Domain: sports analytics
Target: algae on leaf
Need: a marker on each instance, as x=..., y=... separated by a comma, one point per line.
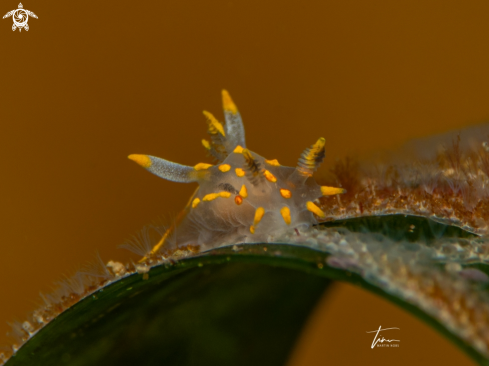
x=246, y=303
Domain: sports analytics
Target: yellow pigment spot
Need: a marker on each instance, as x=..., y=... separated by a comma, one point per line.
x=214, y=125
x=285, y=193
x=240, y=172
x=238, y=200
x=238, y=149
x=202, y=166
x=328, y=191
x=206, y=144
x=213, y=196
x=210, y=197
x=143, y=160
x=227, y=103
x=252, y=229
x=285, y=212
x=273, y=162
x=315, y=209
x=243, y=191
x=195, y=202
x=224, y=168
x=270, y=177
x=260, y=211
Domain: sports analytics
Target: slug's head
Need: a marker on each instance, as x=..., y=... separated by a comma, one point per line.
x=245, y=193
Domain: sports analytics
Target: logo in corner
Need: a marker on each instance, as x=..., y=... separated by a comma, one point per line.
x=20, y=17
x=380, y=339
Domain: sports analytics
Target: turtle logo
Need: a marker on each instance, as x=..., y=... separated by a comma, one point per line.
x=20, y=17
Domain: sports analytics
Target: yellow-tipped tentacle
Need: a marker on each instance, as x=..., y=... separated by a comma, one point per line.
x=206, y=144
x=143, y=160
x=315, y=209
x=311, y=158
x=227, y=103
x=329, y=191
x=213, y=124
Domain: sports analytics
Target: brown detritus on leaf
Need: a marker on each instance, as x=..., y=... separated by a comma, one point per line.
x=450, y=188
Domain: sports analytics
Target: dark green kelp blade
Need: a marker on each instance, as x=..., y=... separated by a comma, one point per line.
x=199, y=311
x=236, y=305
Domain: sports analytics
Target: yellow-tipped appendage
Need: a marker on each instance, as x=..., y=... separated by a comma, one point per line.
x=285, y=212
x=143, y=160
x=227, y=103
x=157, y=247
x=238, y=149
x=170, y=230
x=316, y=148
x=214, y=125
x=167, y=233
x=206, y=144
x=311, y=158
x=315, y=209
x=329, y=191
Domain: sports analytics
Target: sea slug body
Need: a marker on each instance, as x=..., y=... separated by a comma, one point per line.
x=245, y=197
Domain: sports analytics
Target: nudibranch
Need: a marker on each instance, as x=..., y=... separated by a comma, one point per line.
x=244, y=197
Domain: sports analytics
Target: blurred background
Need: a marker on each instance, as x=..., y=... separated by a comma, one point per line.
x=92, y=82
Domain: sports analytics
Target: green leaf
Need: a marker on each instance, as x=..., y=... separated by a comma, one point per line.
x=237, y=305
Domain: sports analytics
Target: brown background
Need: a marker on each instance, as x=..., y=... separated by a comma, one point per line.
x=93, y=81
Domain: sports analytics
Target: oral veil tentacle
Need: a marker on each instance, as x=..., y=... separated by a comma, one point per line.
x=167, y=169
